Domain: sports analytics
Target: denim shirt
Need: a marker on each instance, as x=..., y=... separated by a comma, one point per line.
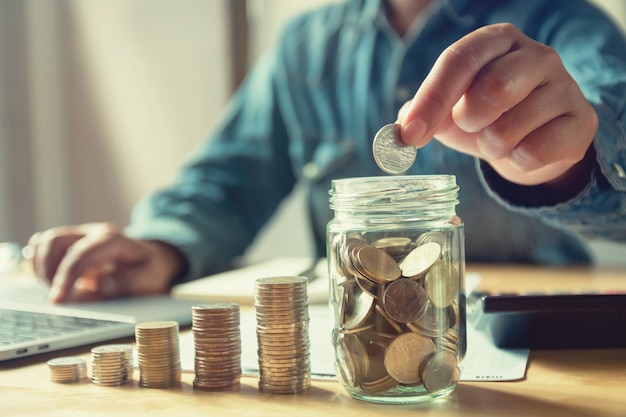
x=310, y=108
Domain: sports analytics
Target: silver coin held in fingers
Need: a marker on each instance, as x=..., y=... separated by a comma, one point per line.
x=390, y=154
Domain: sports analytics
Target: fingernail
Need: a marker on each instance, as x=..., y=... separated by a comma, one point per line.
x=524, y=161
x=413, y=132
x=54, y=294
x=109, y=286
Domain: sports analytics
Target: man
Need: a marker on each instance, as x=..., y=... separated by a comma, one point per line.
x=524, y=100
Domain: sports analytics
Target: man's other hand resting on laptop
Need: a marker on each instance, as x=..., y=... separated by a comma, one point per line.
x=97, y=261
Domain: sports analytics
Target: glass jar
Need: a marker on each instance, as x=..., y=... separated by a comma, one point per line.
x=396, y=259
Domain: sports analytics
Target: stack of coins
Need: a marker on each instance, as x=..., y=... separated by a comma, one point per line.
x=399, y=320
x=67, y=369
x=158, y=354
x=112, y=365
x=217, y=345
x=282, y=313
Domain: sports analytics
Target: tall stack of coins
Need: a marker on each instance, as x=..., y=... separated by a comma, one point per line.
x=67, y=369
x=217, y=344
x=282, y=313
x=397, y=308
x=112, y=365
x=158, y=354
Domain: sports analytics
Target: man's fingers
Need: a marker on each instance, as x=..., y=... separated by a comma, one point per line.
x=451, y=76
x=96, y=254
x=498, y=140
x=95, y=287
x=501, y=85
x=49, y=248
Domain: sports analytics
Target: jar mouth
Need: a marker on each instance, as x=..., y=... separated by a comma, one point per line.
x=430, y=178
x=408, y=192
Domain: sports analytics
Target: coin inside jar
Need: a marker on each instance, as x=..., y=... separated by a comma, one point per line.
x=394, y=246
x=420, y=259
x=361, y=305
x=356, y=358
x=440, y=372
x=405, y=355
x=404, y=300
x=377, y=265
x=442, y=284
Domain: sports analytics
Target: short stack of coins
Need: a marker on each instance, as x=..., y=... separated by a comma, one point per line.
x=282, y=313
x=158, y=354
x=397, y=308
x=217, y=346
x=67, y=369
x=112, y=365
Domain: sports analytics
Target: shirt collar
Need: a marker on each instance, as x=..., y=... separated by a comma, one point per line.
x=457, y=11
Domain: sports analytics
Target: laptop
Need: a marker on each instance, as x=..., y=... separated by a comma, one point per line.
x=29, y=325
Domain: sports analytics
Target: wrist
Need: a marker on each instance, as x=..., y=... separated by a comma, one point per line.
x=573, y=181
x=172, y=263
x=565, y=187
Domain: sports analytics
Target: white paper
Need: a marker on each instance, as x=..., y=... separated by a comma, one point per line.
x=237, y=286
x=486, y=362
x=483, y=360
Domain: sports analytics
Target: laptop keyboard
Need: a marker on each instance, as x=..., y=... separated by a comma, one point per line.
x=24, y=326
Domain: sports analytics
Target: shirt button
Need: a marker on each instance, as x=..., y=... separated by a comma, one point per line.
x=310, y=170
x=619, y=170
x=403, y=94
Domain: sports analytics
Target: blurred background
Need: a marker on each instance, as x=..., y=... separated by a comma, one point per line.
x=101, y=101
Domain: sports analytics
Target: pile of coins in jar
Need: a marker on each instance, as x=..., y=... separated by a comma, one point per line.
x=396, y=304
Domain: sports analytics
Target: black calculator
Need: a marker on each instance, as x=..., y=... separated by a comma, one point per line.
x=554, y=320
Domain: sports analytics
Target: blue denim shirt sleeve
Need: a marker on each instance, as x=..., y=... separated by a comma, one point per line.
x=594, y=52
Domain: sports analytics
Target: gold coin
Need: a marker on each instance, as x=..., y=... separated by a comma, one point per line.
x=394, y=246
x=376, y=379
x=404, y=300
x=442, y=284
x=387, y=323
x=434, y=322
x=285, y=281
x=152, y=326
x=363, y=304
x=377, y=265
x=439, y=237
x=405, y=355
x=420, y=259
x=379, y=385
x=368, y=286
x=440, y=372
x=352, y=354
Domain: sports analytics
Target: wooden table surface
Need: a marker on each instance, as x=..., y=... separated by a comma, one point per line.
x=572, y=383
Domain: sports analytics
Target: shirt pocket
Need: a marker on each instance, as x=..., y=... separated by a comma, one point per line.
x=322, y=157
